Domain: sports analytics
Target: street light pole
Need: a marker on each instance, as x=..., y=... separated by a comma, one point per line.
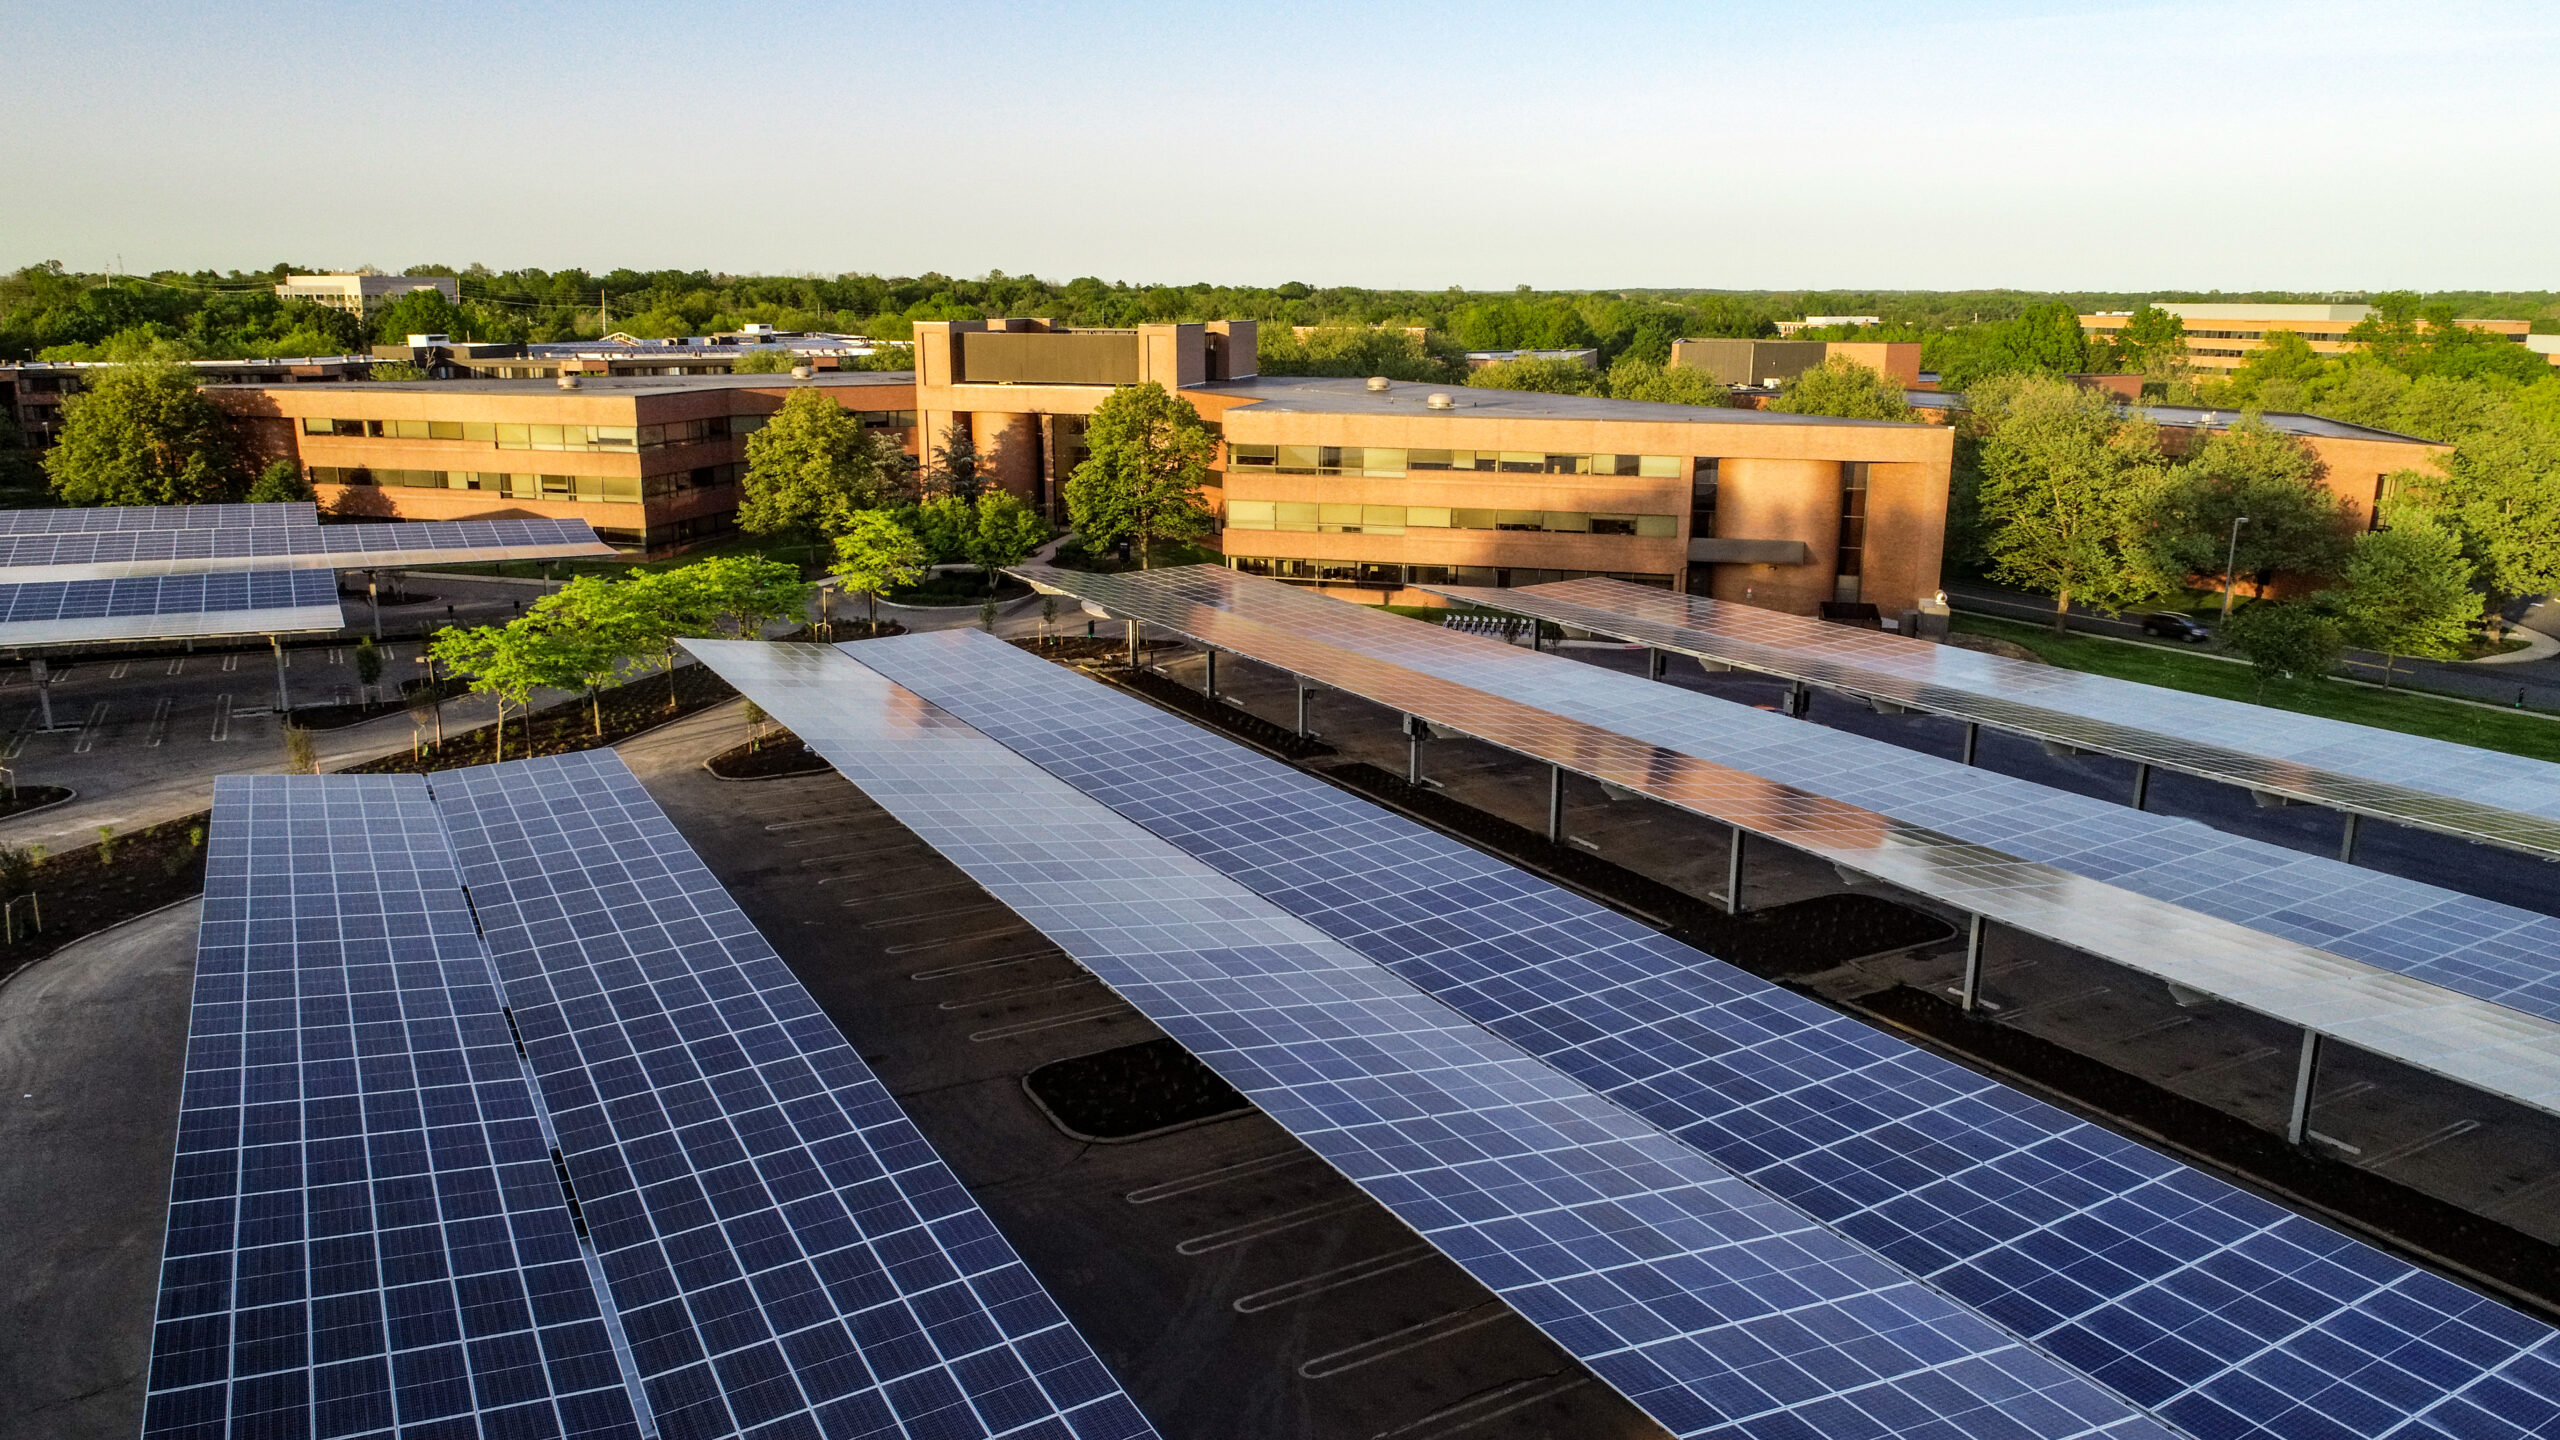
x=2230, y=562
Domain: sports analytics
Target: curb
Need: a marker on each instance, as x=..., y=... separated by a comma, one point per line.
x=94, y=934
x=67, y=798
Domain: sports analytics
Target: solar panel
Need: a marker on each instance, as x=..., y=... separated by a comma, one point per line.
x=2409, y=779
x=1782, y=779
x=788, y=1256
x=115, y=554
x=158, y=517
x=2158, y=1280
x=1712, y=1307
x=239, y=602
x=366, y=1235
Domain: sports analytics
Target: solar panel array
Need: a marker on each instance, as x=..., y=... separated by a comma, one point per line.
x=2209, y=1306
x=157, y=517
x=366, y=1235
x=2169, y=898
x=787, y=1254
x=240, y=602
x=2434, y=784
x=113, y=554
x=1713, y=1307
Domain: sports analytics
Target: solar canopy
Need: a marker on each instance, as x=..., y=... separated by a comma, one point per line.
x=168, y=607
x=157, y=517
x=2407, y=779
x=116, y=554
x=369, y=1231
x=1712, y=1306
x=2457, y=986
x=2153, y=1277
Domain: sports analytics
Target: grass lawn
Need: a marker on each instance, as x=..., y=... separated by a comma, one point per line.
x=2516, y=732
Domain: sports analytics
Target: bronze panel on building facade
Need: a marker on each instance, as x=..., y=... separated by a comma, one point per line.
x=995, y=357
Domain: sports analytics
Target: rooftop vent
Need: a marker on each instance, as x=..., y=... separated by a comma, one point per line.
x=801, y=372
x=1377, y=382
x=1439, y=400
x=569, y=382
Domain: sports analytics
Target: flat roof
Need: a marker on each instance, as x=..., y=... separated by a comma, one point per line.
x=1340, y=395
x=622, y=384
x=2283, y=422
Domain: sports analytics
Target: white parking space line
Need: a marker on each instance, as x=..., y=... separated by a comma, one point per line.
x=159, y=730
x=998, y=963
x=912, y=946
x=117, y=671
x=1202, y=1180
x=18, y=738
x=1307, y=1287
x=1480, y=1409
x=177, y=665
x=1007, y=1032
x=231, y=660
x=221, y=719
x=1411, y=1337
x=993, y=996
x=930, y=917
x=1253, y=1230
x=89, y=729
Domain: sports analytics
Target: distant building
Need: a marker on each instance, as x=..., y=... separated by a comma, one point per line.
x=1819, y=322
x=2221, y=338
x=364, y=294
x=444, y=358
x=1772, y=363
x=2547, y=346
x=1478, y=359
x=32, y=392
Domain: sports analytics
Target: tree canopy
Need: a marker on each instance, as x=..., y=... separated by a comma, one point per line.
x=1147, y=456
x=142, y=435
x=2408, y=591
x=1844, y=388
x=2066, y=495
x=2297, y=526
x=810, y=468
x=281, y=480
x=875, y=553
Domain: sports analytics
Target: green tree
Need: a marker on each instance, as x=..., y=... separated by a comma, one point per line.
x=281, y=480
x=368, y=664
x=2043, y=339
x=661, y=608
x=2285, y=639
x=765, y=361
x=503, y=662
x=952, y=469
x=395, y=370
x=2408, y=591
x=1844, y=388
x=1354, y=351
x=590, y=631
x=946, y=524
x=1548, y=377
x=142, y=435
x=2297, y=526
x=2066, y=496
x=1148, y=455
x=424, y=312
x=751, y=591
x=1634, y=379
x=810, y=468
x=2152, y=344
x=1007, y=530
x=2500, y=494
x=876, y=553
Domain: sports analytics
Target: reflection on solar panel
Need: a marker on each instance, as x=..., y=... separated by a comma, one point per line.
x=251, y=602
x=157, y=517
x=2215, y=1309
x=114, y=554
x=365, y=1229
x=2433, y=784
x=1715, y=1309
x=788, y=1256
x=1958, y=836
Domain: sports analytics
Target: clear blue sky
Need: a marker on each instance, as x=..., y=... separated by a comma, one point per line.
x=2044, y=144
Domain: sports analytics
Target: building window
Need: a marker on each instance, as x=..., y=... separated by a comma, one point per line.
x=1853, y=532
x=1702, y=501
x=1377, y=460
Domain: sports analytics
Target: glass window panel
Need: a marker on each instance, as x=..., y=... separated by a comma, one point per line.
x=1568, y=464
x=1253, y=455
x=1427, y=517
x=652, y=436
x=1570, y=521
x=1300, y=459
x=480, y=430
x=590, y=487
x=444, y=429
x=1427, y=460
x=1297, y=515
x=1611, y=525
x=346, y=427
x=1377, y=460
x=1465, y=519
x=1382, y=519
x=1658, y=527
x=1426, y=574
x=1332, y=458
x=1658, y=465
x=317, y=425
x=1522, y=462
x=739, y=425
x=1341, y=518
x=545, y=437
x=515, y=437
x=524, y=487
x=409, y=430
x=1251, y=515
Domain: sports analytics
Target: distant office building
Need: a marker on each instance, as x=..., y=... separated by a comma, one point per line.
x=2547, y=346
x=1587, y=359
x=32, y=391
x=1379, y=484
x=652, y=462
x=1821, y=322
x=444, y=358
x=2221, y=338
x=364, y=294
x=1771, y=363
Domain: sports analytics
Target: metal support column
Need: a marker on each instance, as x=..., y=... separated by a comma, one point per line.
x=2347, y=838
x=1654, y=668
x=2141, y=783
x=1972, y=735
x=1733, y=872
x=2305, y=1073
x=1412, y=752
x=44, y=690
x=373, y=594
x=1301, y=682
x=1555, y=804
x=284, y=701
x=1799, y=700
x=1975, y=931
x=1209, y=673
x=1133, y=644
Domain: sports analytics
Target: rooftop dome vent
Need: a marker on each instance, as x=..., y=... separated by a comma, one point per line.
x=1439, y=400
x=569, y=382
x=1377, y=382
x=801, y=372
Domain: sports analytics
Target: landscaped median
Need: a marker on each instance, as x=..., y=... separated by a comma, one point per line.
x=2517, y=732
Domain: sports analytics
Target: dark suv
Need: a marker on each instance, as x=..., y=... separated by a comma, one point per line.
x=2170, y=625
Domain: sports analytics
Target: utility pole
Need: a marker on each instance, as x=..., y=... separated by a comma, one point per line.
x=2230, y=562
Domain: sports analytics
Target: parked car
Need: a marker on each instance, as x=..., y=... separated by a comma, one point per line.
x=2170, y=625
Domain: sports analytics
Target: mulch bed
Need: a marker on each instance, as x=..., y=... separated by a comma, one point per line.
x=845, y=630
x=1174, y=695
x=565, y=727
x=31, y=797
x=339, y=717
x=2508, y=1257
x=83, y=891
x=1068, y=649
x=777, y=755
x=1133, y=1091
